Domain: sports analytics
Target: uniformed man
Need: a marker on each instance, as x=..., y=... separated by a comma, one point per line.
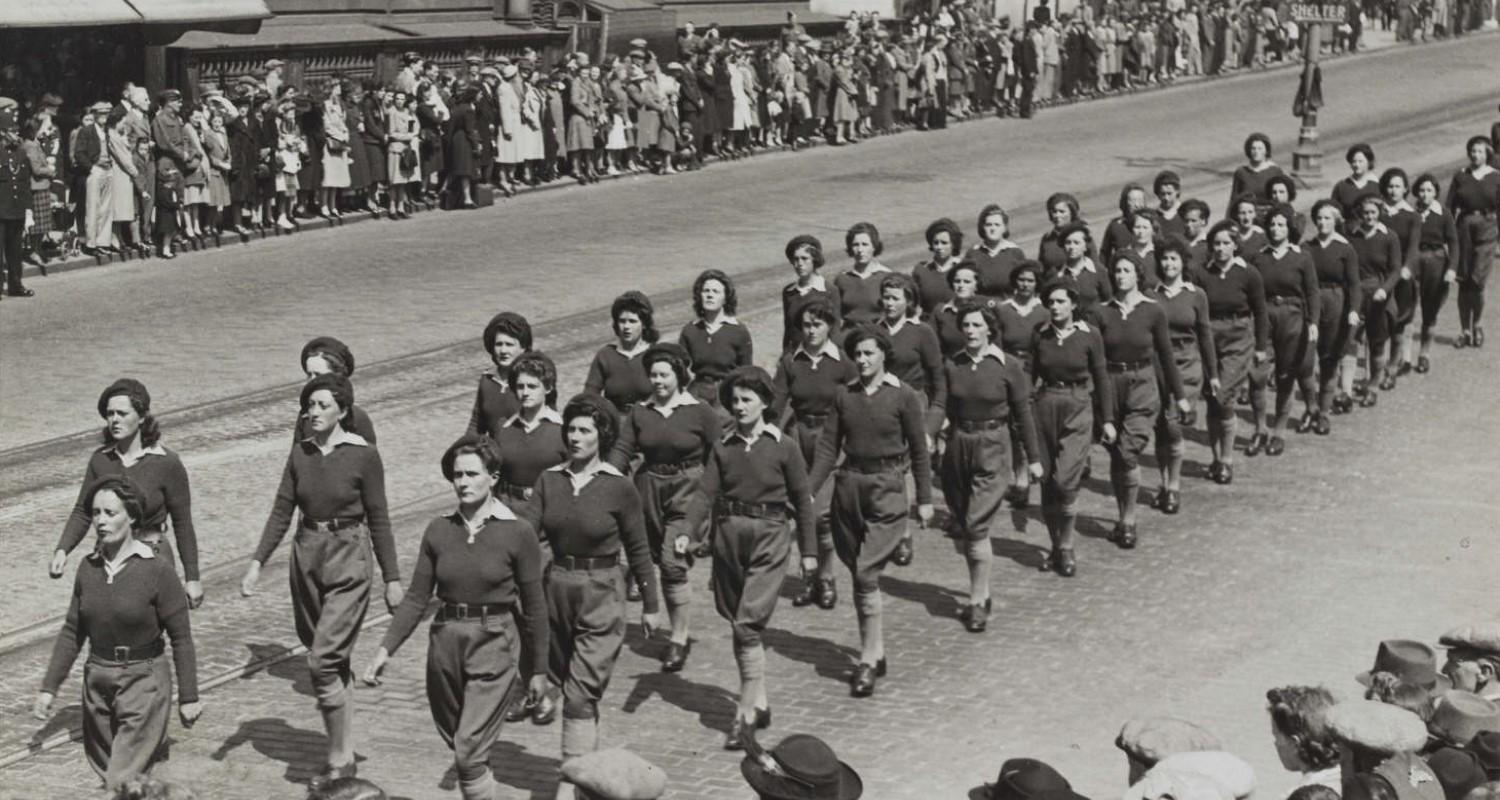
x=15, y=198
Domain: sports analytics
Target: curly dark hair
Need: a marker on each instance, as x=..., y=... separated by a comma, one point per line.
x=1258, y=137
x=868, y=229
x=1298, y=712
x=601, y=412
x=985, y=311
x=731, y=300
x=1194, y=204
x=150, y=431
x=474, y=444
x=538, y=366
x=948, y=226
x=123, y=488
x=1063, y=198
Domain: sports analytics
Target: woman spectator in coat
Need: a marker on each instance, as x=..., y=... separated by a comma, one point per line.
x=533, y=126
x=581, y=119
x=291, y=148
x=359, y=166
x=373, y=139
x=39, y=138
x=194, y=179
x=218, y=164
x=508, y=151
x=310, y=179
x=403, y=161
x=123, y=600
x=336, y=145
x=845, y=113
x=122, y=188
x=463, y=133
x=432, y=123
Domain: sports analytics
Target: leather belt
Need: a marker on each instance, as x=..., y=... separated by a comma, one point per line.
x=1017, y=352
x=1284, y=300
x=672, y=469
x=460, y=612
x=1079, y=384
x=331, y=525
x=127, y=655
x=516, y=490
x=776, y=512
x=1127, y=366
x=872, y=466
x=1237, y=315
x=812, y=420
x=158, y=527
x=587, y=562
x=975, y=425
x=1330, y=285
x=1432, y=248
x=1183, y=338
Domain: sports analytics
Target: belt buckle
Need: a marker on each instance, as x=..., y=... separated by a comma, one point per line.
x=323, y=526
x=122, y=654
x=461, y=611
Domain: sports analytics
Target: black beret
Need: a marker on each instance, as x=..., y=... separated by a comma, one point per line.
x=801, y=240
x=342, y=389
x=328, y=344
x=130, y=387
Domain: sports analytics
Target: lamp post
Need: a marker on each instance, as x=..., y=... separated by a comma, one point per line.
x=1307, y=159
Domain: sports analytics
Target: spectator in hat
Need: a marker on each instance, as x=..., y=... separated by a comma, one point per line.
x=16, y=211
x=243, y=158
x=409, y=74
x=336, y=147
x=403, y=162
x=1486, y=746
x=1473, y=659
x=508, y=149
x=1303, y=740
x=688, y=43
x=463, y=141
x=1369, y=732
x=195, y=181
x=291, y=149
x=372, y=134
x=92, y=156
x=122, y=175
x=1145, y=741
x=273, y=80
x=1456, y=717
x=1029, y=779
x=803, y=767
x=1196, y=775
x=41, y=144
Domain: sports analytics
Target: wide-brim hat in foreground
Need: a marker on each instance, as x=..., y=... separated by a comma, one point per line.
x=1376, y=726
x=1228, y=771
x=1030, y=779
x=801, y=767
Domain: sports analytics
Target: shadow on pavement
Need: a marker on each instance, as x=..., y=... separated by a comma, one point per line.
x=64, y=719
x=302, y=751
x=714, y=705
x=292, y=670
x=827, y=659
x=939, y=602
x=519, y=768
x=1026, y=554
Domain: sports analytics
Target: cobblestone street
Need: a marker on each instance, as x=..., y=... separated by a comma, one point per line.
x=1386, y=529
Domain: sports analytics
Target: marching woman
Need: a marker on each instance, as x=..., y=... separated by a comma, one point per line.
x=1020, y=315
x=876, y=424
x=1145, y=233
x=506, y=337
x=335, y=479
x=1248, y=233
x=1398, y=215
x=1290, y=281
x=1474, y=201
x=916, y=360
x=132, y=448
x=715, y=341
x=588, y=512
x=1382, y=268
x=123, y=599
x=996, y=256
x=963, y=280
x=1283, y=191
x=1351, y=191
x=1080, y=273
x=674, y=433
x=1137, y=346
x=482, y=562
x=1240, y=334
x=1340, y=300
x=858, y=288
x=945, y=241
x=1191, y=335
x=1073, y=390
x=807, y=381
x=989, y=397
x=1437, y=261
x=618, y=373
x=321, y=356
x=753, y=486
x=1253, y=176
x=1195, y=216
x=805, y=254
x=1119, y=234
x=531, y=440
x=1062, y=211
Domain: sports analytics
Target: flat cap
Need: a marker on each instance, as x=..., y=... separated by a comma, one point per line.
x=1482, y=636
x=1151, y=739
x=1376, y=726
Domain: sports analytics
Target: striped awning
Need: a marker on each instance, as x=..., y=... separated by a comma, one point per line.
x=184, y=14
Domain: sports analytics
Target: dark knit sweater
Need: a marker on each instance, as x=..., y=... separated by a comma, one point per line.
x=885, y=424
x=917, y=360
x=803, y=387
x=1139, y=336
x=494, y=403
x=717, y=354
x=687, y=435
x=603, y=518
x=988, y=389
x=1187, y=315
x=164, y=493
x=359, y=422
x=769, y=471
x=618, y=379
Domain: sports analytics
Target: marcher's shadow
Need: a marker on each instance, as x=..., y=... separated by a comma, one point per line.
x=1094, y=527
x=651, y=649
x=515, y=766
x=714, y=705
x=827, y=659
x=292, y=670
x=1196, y=436
x=302, y=751
x=67, y=718
x=1026, y=554
x=939, y=602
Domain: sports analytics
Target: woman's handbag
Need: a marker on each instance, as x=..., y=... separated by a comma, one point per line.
x=408, y=159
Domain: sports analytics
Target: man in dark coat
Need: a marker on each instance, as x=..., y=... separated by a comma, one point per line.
x=15, y=198
x=1028, y=64
x=487, y=119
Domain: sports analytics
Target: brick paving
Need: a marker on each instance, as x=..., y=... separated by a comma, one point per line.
x=1337, y=530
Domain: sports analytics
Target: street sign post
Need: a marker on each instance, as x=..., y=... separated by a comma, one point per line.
x=1307, y=159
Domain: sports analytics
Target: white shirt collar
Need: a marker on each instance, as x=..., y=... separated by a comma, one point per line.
x=113, y=567
x=1336, y=237
x=885, y=380
x=1286, y=247
x=893, y=329
x=815, y=283
x=1480, y=171
x=130, y=461
x=641, y=346
x=1434, y=208
x=944, y=267
x=1026, y=309
x=1401, y=205
x=1233, y=262
x=1169, y=213
x=1251, y=231
x=581, y=479
x=1379, y=228
x=546, y=414
x=1183, y=285
x=1000, y=247
x=724, y=319
x=338, y=437
x=1369, y=179
x=1085, y=264
x=989, y=351
x=1264, y=165
x=762, y=428
x=492, y=509
x=828, y=349
x=1063, y=333
x=676, y=401
x=875, y=268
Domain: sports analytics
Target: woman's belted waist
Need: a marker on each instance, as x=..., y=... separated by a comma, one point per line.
x=460, y=612
x=874, y=465
x=775, y=512
x=672, y=469
x=331, y=525
x=127, y=655
x=587, y=562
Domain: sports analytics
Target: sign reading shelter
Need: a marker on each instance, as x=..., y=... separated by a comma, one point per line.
x=1318, y=12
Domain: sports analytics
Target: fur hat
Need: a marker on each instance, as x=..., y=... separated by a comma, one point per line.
x=1376, y=726
x=1151, y=739
x=615, y=774
x=1481, y=636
